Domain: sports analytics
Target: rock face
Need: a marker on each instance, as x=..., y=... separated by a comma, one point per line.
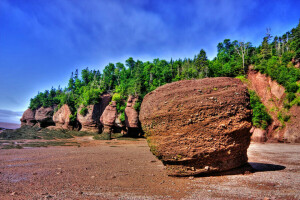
x=90, y=122
x=108, y=117
x=258, y=135
x=61, y=118
x=132, y=117
x=44, y=116
x=28, y=118
x=119, y=125
x=198, y=126
x=292, y=129
x=272, y=96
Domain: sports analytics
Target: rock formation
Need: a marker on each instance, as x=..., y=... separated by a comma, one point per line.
x=272, y=96
x=132, y=117
x=108, y=119
x=28, y=118
x=61, y=118
x=90, y=122
x=44, y=116
x=119, y=125
x=198, y=126
x=258, y=135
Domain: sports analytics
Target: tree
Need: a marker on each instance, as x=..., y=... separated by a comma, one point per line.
x=242, y=49
x=201, y=63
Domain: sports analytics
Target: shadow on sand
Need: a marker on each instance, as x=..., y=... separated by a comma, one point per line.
x=249, y=168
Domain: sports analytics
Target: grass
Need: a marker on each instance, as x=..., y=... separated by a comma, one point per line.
x=27, y=132
x=40, y=144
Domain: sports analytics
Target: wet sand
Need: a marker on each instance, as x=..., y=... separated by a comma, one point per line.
x=120, y=169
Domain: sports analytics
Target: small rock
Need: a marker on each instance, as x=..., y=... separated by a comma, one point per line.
x=13, y=193
x=92, y=176
x=191, y=177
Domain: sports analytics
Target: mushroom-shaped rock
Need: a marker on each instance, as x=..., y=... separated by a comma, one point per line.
x=44, y=116
x=132, y=116
x=61, y=118
x=90, y=120
x=28, y=118
x=108, y=118
x=198, y=126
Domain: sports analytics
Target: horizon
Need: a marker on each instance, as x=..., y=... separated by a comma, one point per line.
x=43, y=42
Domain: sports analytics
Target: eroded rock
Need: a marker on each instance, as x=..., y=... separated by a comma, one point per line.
x=90, y=121
x=198, y=126
x=132, y=117
x=44, y=116
x=108, y=119
x=28, y=118
x=259, y=135
x=61, y=118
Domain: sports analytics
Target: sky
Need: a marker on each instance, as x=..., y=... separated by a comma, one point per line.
x=42, y=41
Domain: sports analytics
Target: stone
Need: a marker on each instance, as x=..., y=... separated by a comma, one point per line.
x=132, y=117
x=108, y=118
x=202, y=146
x=259, y=135
x=90, y=122
x=28, y=118
x=61, y=118
x=44, y=116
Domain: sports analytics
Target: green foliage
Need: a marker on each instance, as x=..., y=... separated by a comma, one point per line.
x=83, y=111
x=137, y=105
x=291, y=97
x=261, y=118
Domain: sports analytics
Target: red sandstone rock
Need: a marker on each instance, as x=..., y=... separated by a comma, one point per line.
x=259, y=135
x=132, y=117
x=119, y=125
x=28, y=118
x=198, y=126
x=44, y=116
x=292, y=130
x=90, y=122
x=61, y=118
x=108, y=117
x=272, y=96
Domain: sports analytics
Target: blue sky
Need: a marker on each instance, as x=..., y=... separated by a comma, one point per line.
x=42, y=41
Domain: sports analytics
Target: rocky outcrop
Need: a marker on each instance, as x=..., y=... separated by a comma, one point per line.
x=90, y=121
x=44, y=116
x=61, y=118
x=120, y=126
x=272, y=96
x=28, y=118
x=258, y=135
x=292, y=130
x=132, y=117
x=108, y=119
x=198, y=126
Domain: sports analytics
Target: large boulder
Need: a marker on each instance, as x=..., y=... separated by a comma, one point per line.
x=28, y=118
x=44, y=116
x=61, y=118
x=132, y=117
x=198, y=126
x=108, y=119
x=90, y=121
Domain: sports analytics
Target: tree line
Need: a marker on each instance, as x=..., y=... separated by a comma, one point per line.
x=275, y=58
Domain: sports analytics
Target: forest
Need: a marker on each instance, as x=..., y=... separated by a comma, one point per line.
x=275, y=56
